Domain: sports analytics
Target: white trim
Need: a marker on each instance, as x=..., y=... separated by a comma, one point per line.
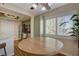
x=32, y=26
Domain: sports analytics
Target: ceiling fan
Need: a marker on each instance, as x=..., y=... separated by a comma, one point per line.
x=45, y=6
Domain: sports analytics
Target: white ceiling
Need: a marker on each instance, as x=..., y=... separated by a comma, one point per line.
x=24, y=8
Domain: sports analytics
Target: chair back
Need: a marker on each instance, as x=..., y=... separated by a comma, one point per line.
x=2, y=45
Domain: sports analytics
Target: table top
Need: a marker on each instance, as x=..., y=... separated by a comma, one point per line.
x=41, y=46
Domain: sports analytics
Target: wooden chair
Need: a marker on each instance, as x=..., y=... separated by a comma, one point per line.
x=3, y=46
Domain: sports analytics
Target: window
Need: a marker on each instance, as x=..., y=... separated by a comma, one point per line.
x=52, y=25
x=60, y=29
x=66, y=27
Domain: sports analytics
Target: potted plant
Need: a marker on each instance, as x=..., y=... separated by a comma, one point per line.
x=75, y=19
x=75, y=29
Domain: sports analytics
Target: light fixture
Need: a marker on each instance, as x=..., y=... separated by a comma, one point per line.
x=34, y=5
x=43, y=8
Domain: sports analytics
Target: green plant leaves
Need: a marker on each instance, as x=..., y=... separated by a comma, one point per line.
x=75, y=29
x=63, y=23
x=75, y=15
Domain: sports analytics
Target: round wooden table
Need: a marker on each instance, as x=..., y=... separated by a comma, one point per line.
x=40, y=46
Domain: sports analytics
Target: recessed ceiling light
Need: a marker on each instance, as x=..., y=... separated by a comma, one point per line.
x=32, y=8
x=43, y=8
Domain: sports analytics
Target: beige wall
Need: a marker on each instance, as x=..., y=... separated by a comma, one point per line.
x=69, y=8
x=28, y=22
x=78, y=11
